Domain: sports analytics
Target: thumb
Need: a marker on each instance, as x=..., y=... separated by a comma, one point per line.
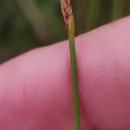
x=35, y=88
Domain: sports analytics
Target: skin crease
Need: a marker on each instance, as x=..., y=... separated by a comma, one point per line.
x=35, y=88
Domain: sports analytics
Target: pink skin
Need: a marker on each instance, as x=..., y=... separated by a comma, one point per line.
x=35, y=88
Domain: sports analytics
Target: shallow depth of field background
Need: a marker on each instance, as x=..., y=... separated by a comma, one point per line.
x=27, y=24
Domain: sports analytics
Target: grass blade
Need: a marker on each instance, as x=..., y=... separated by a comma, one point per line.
x=69, y=20
x=117, y=9
x=74, y=73
x=93, y=13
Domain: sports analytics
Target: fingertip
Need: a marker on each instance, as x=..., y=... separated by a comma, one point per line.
x=36, y=87
x=37, y=90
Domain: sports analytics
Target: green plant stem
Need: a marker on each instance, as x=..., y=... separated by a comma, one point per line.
x=74, y=72
x=117, y=9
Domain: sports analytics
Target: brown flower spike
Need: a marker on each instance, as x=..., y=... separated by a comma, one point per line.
x=66, y=10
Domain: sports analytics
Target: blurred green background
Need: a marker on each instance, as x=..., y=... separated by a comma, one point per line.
x=27, y=24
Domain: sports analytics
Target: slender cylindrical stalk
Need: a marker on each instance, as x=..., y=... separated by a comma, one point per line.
x=69, y=21
x=71, y=32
